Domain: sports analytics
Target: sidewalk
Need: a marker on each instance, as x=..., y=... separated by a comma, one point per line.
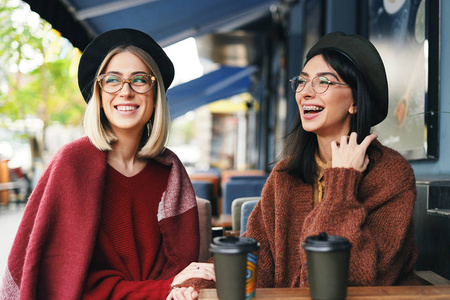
x=9, y=222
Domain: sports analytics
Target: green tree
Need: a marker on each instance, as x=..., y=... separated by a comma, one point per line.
x=39, y=68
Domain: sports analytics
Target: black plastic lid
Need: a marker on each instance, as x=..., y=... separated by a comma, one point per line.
x=233, y=245
x=326, y=243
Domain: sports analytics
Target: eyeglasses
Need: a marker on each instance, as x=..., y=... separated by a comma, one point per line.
x=319, y=84
x=113, y=83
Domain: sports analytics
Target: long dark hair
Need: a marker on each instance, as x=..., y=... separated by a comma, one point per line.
x=301, y=146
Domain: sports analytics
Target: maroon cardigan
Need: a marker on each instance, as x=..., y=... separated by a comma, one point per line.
x=54, y=244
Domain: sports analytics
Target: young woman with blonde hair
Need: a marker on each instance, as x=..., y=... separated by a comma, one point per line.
x=114, y=215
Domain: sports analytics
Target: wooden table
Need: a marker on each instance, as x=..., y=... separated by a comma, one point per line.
x=353, y=293
x=4, y=192
x=8, y=186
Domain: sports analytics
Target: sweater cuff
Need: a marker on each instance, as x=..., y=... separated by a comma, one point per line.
x=342, y=181
x=197, y=284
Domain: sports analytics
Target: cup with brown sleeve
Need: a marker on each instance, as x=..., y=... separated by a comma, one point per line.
x=235, y=265
x=327, y=258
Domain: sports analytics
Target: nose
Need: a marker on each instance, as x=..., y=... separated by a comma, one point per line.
x=126, y=89
x=308, y=90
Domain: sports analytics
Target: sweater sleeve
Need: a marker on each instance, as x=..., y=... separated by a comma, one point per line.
x=374, y=213
x=261, y=226
x=108, y=284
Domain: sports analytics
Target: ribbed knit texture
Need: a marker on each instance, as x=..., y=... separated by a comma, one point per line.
x=373, y=210
x=128, y=242
x=55, y=241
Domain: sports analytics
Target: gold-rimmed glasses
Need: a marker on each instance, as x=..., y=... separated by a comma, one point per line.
x=112, y=83
x=319, y=84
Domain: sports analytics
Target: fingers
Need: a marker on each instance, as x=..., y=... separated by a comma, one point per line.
x=194, y=295
x=366, y=161
x=183, y=293
x=347, y=153
x=352, y=139
x=334, y=146
x=368, y=140
x=188, y=294
x=344, y=140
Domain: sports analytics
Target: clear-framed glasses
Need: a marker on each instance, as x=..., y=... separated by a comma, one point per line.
x=319, y=84
x=113, y=83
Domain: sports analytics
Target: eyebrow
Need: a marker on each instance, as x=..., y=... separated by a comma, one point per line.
x=132, y=74
x=322, y=74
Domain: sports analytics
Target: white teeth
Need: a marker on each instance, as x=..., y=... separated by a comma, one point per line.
x=126, y=108
x=312, y=108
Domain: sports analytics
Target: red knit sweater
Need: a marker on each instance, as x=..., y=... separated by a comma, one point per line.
x=53, y=248
x=127, y=259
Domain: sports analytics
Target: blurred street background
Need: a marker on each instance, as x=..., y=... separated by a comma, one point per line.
x=9, y=222
x=231, y=103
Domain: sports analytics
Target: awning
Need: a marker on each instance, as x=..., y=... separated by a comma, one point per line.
x=220, y=84
x=167, y=21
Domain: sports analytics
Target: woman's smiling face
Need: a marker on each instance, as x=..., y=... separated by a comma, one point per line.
x=327, y=114
x=127, y=110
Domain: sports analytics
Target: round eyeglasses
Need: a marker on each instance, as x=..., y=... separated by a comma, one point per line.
x=113, y=83
x=319, y=84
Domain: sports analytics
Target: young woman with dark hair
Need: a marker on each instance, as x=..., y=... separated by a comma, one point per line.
x=301, y=145
x=334, y=176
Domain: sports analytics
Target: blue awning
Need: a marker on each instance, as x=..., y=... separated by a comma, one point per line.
x=220, y=84
x=167, y=21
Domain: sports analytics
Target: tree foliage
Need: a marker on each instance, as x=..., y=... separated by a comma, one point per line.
x=37, y=68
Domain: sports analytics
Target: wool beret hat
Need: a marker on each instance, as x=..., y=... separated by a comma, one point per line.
x=98, y=49
x=366, y=57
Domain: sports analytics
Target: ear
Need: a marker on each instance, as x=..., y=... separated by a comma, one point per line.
x=353, y=109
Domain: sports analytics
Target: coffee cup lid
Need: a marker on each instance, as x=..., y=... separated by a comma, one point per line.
x=326, y=243
x=233, y=245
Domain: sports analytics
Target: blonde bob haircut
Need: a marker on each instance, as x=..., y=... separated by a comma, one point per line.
x=97, y=126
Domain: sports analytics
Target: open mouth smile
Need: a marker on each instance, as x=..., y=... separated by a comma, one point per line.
x=126, y=107
x=311, y=109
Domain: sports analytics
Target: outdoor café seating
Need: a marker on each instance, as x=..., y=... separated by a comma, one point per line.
x=241, y=187
x=238, y=217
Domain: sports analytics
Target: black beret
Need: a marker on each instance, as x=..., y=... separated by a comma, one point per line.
x=98, y=49
x=366, y=57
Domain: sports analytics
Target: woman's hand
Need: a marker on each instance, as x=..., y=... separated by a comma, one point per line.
x=183, y=293
x=348, y=154
x=195, y=270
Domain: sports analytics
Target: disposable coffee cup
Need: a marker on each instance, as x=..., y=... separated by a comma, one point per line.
x=235, y=264
x=327, y=257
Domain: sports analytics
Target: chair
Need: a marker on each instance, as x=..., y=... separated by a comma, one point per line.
x=249, y=177
x=205, y=189
x=431, y=278
x=204, y=218
x=213, y=178
x=236, y=208
x=246, y=210
x=240, y=188
x=227, y=174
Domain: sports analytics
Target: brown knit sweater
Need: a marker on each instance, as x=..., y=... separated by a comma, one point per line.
x=372, y=209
